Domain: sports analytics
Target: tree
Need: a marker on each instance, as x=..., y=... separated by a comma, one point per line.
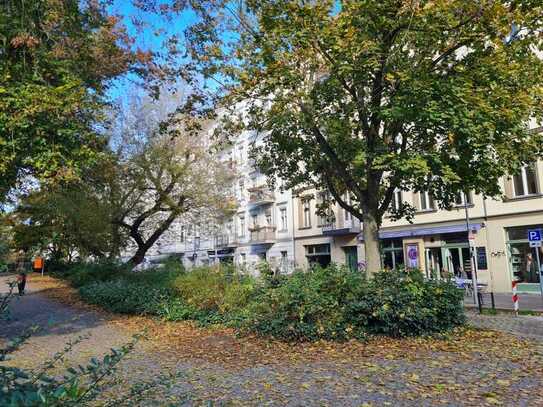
x=58, y=59
x=65, y=222
x=366, y=97
x=166, y=167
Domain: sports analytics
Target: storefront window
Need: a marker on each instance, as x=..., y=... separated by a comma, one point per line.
x=522, y=257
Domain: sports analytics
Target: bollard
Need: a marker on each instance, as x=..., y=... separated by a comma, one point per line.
x=515, y=297
x=492, y=300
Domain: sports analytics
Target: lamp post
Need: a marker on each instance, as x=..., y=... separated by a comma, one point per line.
x=473, y=257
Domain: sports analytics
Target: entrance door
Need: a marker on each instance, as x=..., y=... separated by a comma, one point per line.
x=457, y=261
x=351, y=257
x=434, y=263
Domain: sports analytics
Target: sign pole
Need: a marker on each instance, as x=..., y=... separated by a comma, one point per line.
x=539, y=270
x=535, y=238
x=473, y=260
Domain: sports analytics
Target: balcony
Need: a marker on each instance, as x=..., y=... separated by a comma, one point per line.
x=346, y=227
x=226, y=240
x=261, y=195
x=262, y=234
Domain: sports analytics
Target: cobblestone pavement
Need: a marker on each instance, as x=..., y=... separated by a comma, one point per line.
x=523, y=326
x=473, y=369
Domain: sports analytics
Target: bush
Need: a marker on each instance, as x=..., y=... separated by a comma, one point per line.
x=85, y=273
x=215, y=289
x=308, y=306
x=404, y=304
x=125, y=297
x=336, y=303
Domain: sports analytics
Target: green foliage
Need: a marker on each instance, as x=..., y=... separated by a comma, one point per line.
x=85, y=273
x=369, y=96
x=124, y=297
x=206, y=288
x=336, y=303
x=309, y=305
x=331, y=303
x=404, y=304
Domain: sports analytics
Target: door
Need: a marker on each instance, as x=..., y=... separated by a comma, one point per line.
x=457, y=261
x=351, y=257
x=434, y=263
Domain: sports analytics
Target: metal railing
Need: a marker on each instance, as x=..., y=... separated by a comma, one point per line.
x=262, y=234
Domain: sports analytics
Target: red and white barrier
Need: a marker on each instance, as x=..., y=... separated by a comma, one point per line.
x=515, y=297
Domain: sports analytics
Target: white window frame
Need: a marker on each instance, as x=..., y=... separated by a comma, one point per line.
x=397, y=199
x=426, y=195
x=283, y=218
x=524, y=178
x=462, y=201
x=306, y=213
x=241, y=225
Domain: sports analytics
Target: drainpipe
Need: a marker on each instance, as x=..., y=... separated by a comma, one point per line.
x=293, y=230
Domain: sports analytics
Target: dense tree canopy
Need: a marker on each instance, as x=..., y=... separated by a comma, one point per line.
x=366, y=97
x=57, y=59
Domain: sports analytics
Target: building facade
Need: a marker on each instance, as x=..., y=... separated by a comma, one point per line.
x=437, y=240
x=284, y=228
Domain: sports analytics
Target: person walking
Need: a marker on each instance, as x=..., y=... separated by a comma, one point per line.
x=21, y=282
x=21, y=274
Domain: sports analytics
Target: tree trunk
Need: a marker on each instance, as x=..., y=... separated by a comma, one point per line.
x=371, y=242
x=138, y=257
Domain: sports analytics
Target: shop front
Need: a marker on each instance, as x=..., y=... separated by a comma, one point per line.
x=522, y=258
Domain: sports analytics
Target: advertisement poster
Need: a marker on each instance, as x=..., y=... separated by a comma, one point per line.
x=413, y=255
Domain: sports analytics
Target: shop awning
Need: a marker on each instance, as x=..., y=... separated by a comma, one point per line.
x=424, y=231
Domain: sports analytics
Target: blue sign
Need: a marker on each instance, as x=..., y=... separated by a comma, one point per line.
x=535, y=235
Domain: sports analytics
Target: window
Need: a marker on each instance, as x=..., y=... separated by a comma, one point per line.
x=242, y=226
x=243, y=258
x=254, y=220
x=182, y=234
x=396, y=202
x=269, y=220
x=392, y=254
x=328, y=216
x=525, y=182
x=426, y=201
x=306, y=207
x=460, y=201
x=283, y=218
x=346, y=214
x=242, y=190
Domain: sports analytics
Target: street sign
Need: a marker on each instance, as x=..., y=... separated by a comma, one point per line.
x=535, y=237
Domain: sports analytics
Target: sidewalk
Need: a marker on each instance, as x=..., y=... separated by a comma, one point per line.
x=527, y=302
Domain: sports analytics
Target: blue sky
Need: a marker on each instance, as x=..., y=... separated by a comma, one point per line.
x=158, y=28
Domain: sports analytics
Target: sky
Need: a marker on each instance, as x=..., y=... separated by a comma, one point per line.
x=157, y=29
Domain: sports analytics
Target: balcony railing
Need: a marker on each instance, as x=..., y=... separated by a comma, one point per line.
x=262, y=234
x=226, y=240
x=345, y=227
x=261, y=195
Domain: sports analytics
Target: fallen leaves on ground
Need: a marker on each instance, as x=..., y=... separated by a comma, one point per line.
x=467, y=367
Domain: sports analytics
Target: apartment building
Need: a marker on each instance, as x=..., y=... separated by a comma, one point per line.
x=437, y=240
x=260, y=230
x=284, y=228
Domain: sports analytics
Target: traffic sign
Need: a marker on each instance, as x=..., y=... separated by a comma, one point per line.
x=535, y=235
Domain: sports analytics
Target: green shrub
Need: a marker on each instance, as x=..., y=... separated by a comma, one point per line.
x=308, y=305
x=336, y=303
x=85, y=273
x=125, y=297
x=404, y=304
x=217, y=289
